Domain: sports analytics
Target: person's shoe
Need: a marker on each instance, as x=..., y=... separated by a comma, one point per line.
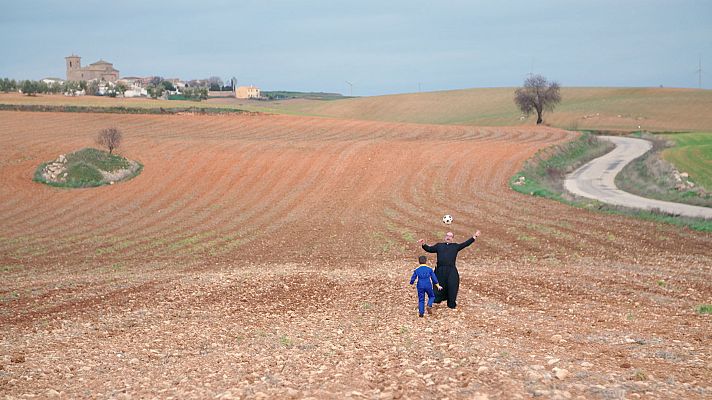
x=429, y=309
x=420, y=315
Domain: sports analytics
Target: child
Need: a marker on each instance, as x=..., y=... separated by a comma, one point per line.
x=425, y=275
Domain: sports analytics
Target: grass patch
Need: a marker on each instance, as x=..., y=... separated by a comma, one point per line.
x=543, y=176
x=382, y=242
x=285, y=341
x=404, y=233
x=12, y=296
x=639, y=376
x=652, y=176
x=692, y=153
x=99, y=159
x=87, y=168
x=10, y=267
x=526, y=238
x=704, y=309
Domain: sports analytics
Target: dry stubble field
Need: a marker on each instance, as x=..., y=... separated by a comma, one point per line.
x=268, y=256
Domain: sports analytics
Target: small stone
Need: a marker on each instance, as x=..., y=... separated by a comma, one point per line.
x=586, y=364
x=556, y=338
x=443, y=388
x=533, y=375
x=553, y=361
x=482, y=370
x=560, y=373
x=386, y=396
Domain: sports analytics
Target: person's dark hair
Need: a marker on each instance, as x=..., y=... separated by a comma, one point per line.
x=422, y=259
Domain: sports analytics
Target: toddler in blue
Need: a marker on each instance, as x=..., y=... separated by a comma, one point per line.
x=425, y=275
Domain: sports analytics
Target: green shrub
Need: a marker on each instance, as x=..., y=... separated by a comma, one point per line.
x=99, y=159
x=705, y=309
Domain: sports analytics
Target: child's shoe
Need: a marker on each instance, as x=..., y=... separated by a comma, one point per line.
x=429, y=309
x=420, y=315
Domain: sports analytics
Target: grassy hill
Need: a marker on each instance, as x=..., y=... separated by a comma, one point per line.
x=653, y=109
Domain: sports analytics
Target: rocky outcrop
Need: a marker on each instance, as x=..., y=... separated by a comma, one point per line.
x=120, y=174
x=56, y=171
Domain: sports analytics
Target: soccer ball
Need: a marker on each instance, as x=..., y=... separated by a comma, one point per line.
x=447, y=219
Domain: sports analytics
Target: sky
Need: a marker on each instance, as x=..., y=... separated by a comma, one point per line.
x=367, y=47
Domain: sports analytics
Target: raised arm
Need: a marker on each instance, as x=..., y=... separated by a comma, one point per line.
x=429, y=249
x=466, y=243
x=469, y=241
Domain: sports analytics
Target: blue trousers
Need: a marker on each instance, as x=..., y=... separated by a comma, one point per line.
x=421, y=298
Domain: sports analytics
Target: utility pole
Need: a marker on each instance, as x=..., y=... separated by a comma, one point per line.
x=699, y=73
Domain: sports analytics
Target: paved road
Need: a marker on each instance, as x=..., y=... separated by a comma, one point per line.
x=595, y=180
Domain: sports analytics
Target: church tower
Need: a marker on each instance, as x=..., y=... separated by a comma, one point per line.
x=74, y=64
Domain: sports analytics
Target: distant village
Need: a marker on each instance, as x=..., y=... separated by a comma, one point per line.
x=101, y=78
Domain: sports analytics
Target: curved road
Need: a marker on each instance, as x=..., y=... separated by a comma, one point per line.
x=595, y=180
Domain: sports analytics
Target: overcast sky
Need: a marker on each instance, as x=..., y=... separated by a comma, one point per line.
x=380, y=46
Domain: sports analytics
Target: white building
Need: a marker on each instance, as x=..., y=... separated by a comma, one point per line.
x=248, y=92
x=134, y=86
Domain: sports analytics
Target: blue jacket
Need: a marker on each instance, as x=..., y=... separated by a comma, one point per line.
x=424, y=275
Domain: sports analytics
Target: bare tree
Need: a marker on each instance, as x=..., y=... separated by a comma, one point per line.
x=215, y=83
x=538, y=95
x=109, y=138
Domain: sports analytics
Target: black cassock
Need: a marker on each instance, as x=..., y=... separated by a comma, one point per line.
x=446, y=271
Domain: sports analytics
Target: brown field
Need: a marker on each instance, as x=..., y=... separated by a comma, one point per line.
x=268, y=256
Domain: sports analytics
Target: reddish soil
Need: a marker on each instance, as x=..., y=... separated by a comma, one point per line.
x=269, y=256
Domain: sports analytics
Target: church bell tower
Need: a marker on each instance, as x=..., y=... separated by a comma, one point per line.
x=74, y=63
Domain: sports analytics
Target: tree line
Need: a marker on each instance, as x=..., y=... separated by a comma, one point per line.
x=31, y=88
x=155, y=89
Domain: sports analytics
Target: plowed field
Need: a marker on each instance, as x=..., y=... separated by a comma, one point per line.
x=269, y=256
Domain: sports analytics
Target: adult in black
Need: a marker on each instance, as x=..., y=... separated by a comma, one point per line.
x=445, y=269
